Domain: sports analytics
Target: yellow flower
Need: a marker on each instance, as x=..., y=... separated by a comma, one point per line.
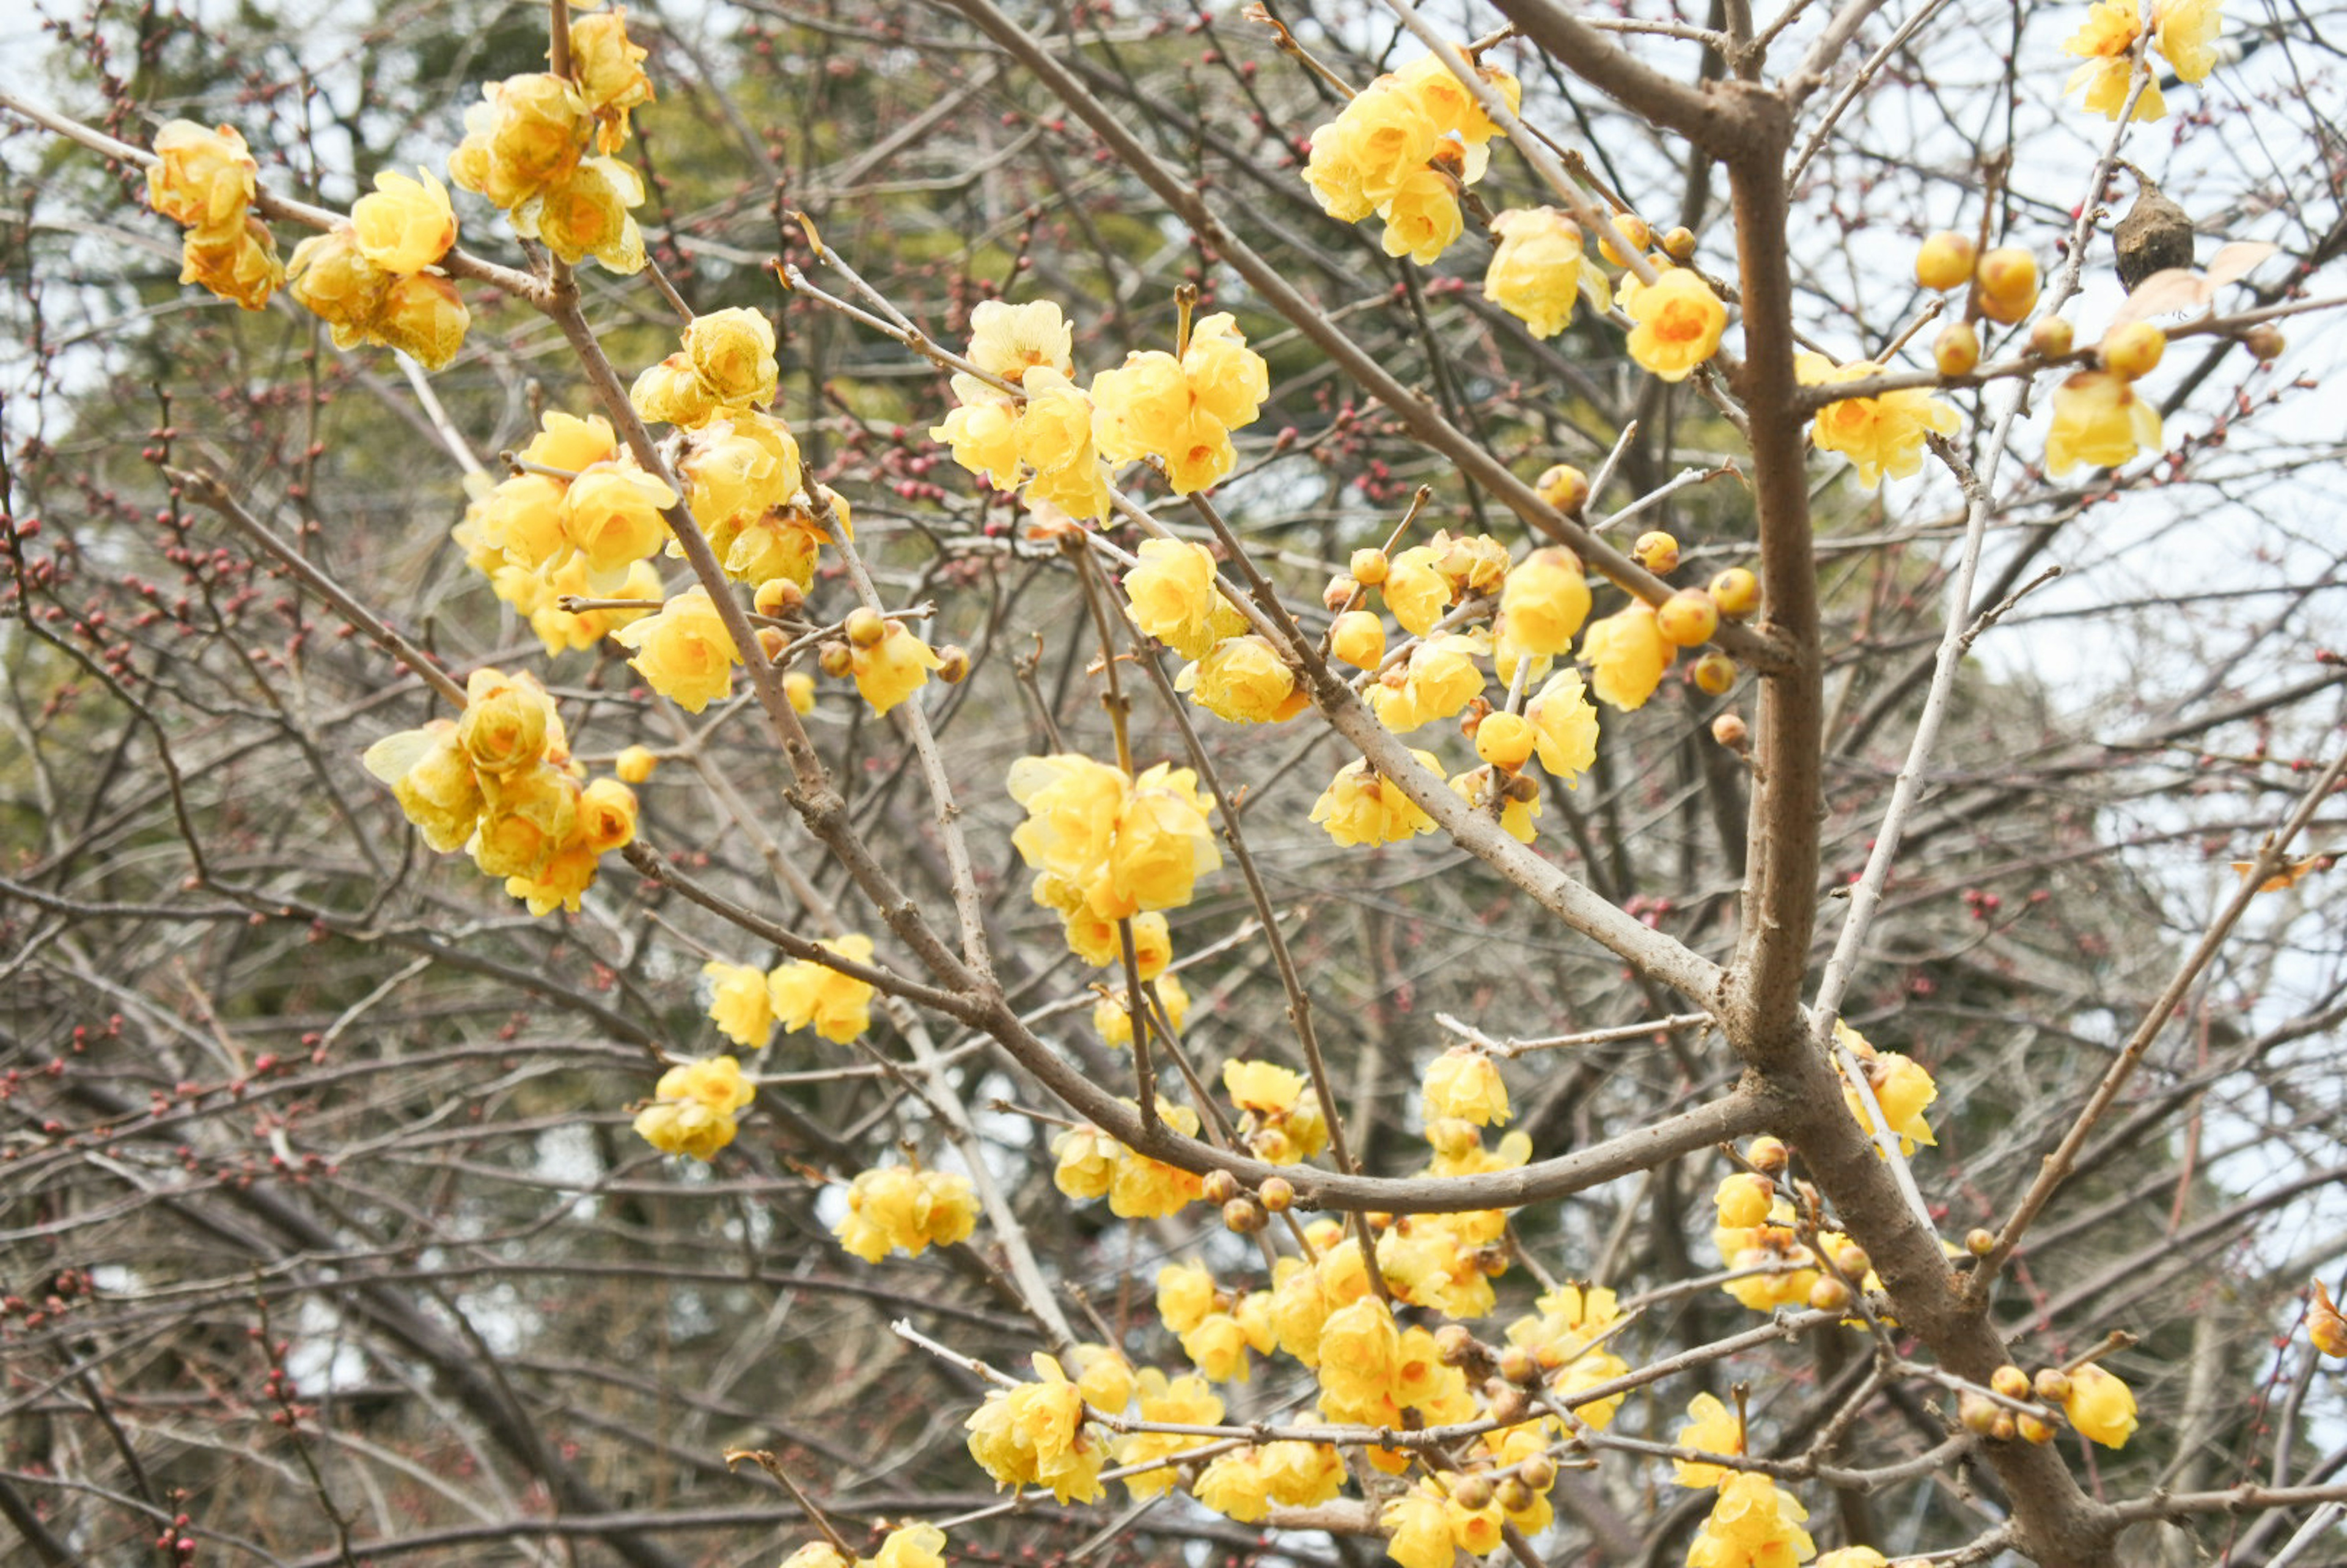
x=2098, y=419
x=1112, y=1014
x=609, y=72
x=1679, y=320
x=1186, y=1400
x=1007, y=341
x=1713, y=1429
x=1743, y=1200
x=738, y=468
x=2101, y=1406
x=912, y=1546
x=405, y=225
x=612, y=517
x=568, y=442
x=559, y=629
x=1449, y=104
x=1185, y=1294
x=431, y=778
x=2107, y=43
x=740, y=1005
x=985, y=441
x=1626, y=655
x=1217, y=1347
x=1244, y=681
x=328, y=277
x=585, y=213
x=1381, y=137
x=635, y=764
x=1545, y=602
x=1564, y=727
x=1538, y=270
x=202, y=179
x=529, y=816
x=805, y=994
x=1055, y=426
x=1229, y=381
x=695, y=1107
x=1439, y=678
x=1235, y=1485
x=1881, y=435
x=1417, y=1529
x=1422, y=217
x=1143, y=405
x=1465, y=1084
x=1360, y=1358
x=528, y=132
x=1360, y=807
x=1752, y=1525
x=1036, y=1435
x=1173, y=597
x=669, y=393
x=1358, y=638
x=237, y=262
x=1141, y=1188
x=1416, y=590
x=894, y=668
x=732, y=354
x=1095, y=939
x=1483, y=787
x=2187, y=30
x=1086, y=1163
x=818, y=1555
x=1901, y=1088
x=1122, y=844
x=1301, y=1474
x=607, y=817
x=424, y=317
x=506, y=721
x=684, y=652
x=1262, y=1086
x=895, y=1208
x=1104, y=1377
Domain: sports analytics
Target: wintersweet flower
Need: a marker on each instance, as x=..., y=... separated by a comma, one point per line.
x=738, y=468
x=507, y=721
x=1360, y=160
x=527, y=133
x=1544, y=603
x=1416, y=590
x=431, y=778
x=1422, y=217
x=1262, y=1086
x=2107, y=42
x=1141, y=1188
x=561, y=628
x=904, y=1210
x=808, y=995
x=1173, y=597
x=732, y=353
x=1104, y=1377
x=1881, y=435
x=527, y=815
x=1465, y=1084
x=607, y=817
x=1417, y=1529
x=1564, y=728
x=984, y=437
x=1484, y=789
x=424, y=317
x=238, y=262
x=1752, y=1525
x=1679, y=320
x=1440, y=679
x=2101, y=1406
x=202, y=179
x=328, y=277
x=609, y=71
x=684, y=651
x=740, y=1005
x=911, y=1546
x=669, y=393
x=1712, y=1427
x=1116, y=845
x=1036, y=1435
x=1112, y=1014
x=611, y=515
x=1447, y=103
x=1538, y=272
x=1626, y=655
x=1182, y=411
x=1007, y=341
x=405, y=225
x=1217, y=1347
x=1901, y=1088
x=2098, y=419
x=1085, y=1162
x=894, y=668
x=1186, y=1400
x=1360, y=1358
x=695, y=1106
x=1185, y=1294
x=585, y=213
x=1095, y=940
x=2187, y=35
x=1244, y=681
x=1358, y=638
x=1359, y=806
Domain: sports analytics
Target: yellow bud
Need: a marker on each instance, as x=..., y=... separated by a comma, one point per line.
x=1513, y=1496
x=1471, y=1493
x=1518, y=1365
x=1945, y=262
x=953, y=663
x=1715, y=672
x=1539, y=1472
x=2133, y=350
x=1656, y=551
x=2011, y=1381
x=1504, y=740
x=1339, y=593
x=1730, y=730
x=1829, y=1295
x=1634, y=229
x=1978, y=1414
x=635, y=764
x=1979, y=1243
x=1853, y=1261
x=1565, y=487
x=835, y=658
x=1218, y=1187
x=1369, y=567
x=1509, y=1405
x=2053, y=1385
x=772, y=641
x=1768, y=1155
x=864, y=627
x=1957, y=350
x=2008, y=283
x=2003, y=1431
x=1688, y=617
x=1736, y=592
x=798, y=687
x=1454, y=1345
x=1277, y=1195
x=2033, y=1430
x=2051, y=338
x=780, y=597
x=1243, y=1215
x=1679, y=243
x=1358, y=638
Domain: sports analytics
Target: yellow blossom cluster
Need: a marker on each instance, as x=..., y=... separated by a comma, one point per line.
x=1181, y=410
x=1186, y=1400
x=1882, y=435
x=1216, y=1330
x=1035, y=1434
x=1567, y=1339
x=1280, y=1119
x=1040, y=435
x=2185, y=31
x=1713, y=1429
x=1106, y=846
x=907, y=1546
x=747, y=1001
x=1427, y=1527
x=906, y=1210
x=1466, y=1085
x=1112, y=1014
x=376, y=279
x=693, y=1107
x=1435, y=681
x=1538, y=270
x=539, y=145
x=1753, y=1524
x=1361, y=806
x=1247, y=1482
x=1402, y=149
x=205, y=180
x=500, y=783
x=1091, y=1164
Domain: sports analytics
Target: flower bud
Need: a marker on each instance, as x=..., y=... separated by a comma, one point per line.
x=1632, y=228
x=1243, y=1215
x=772, y=641
x=1358, y=638
x=1454, y=1345
x=1736, y=592
x=1504, y=740
x=1539, y=1472
x=1768, y=1155
x=953, y=663
x=1218, y=1187
x=1957, y=350
x=1513, y=1496
x=1687, y=619
x=1368, y=566
x=635, y=764
x=1471, y=1491
x=2053, y=1385
x=2011, y=1381
x=1519, y=1366
x=1679, y=244
x=1730, y=730
x=1714, y=673
x=1277, y=1195
x=780, y=598
x=1853, y=1261
x=1829, y=1295
x=1979, y=1243
x=2265, y=341
x=2032, y=1430
x=1945, y=262
x=1522, y=788
x=798, y=688
x=2004, y=1429
x=2133, y=350
x=1978, y=1414
x=864, y=627
x=1339, y=593
x=834, y=658
x=2008, y=283
x=1657, y=552
x=1509, y=1405
x=2051, y=338
x=1565, y=487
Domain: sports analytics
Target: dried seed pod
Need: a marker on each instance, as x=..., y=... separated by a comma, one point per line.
x=2155, y=235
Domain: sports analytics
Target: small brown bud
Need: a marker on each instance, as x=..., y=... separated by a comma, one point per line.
x=2053, y=1385
x=1243, y=1215
x=1518, y=1365
x=2011, y=1381
x=865, y=628
x=1522, y=788
x=1277, y=1195
x=1471, y=1491
x=1829, y=1295
x=1853, y=1262
x=1730, y=730
x=835, y=658
x=1978, y=1414
x=1219, y=1187
x=779, y=596
x=953, y=664
x=1768, y=1155
x=1679, y=244
x=2052, y=337
x=1339, y=593
x=2265, y=341
x=1979, y=1243
x=1454, y=1345
x=1957, y=350
x=772, y=641
x=1539, y=1472
x=2033, y=1430
x=2004, y=1428
x=1513, y=1496
x=1715, y=672
x=1509, y=1406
